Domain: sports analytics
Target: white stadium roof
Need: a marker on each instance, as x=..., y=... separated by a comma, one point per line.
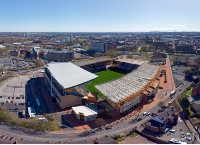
x=69, y=75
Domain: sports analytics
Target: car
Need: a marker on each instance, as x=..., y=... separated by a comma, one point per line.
x=180, y=142
x=139, y=119
x=182, y=133
x=188, y=134
x=188, y=138
x=172, y=131
x=172, y=140
x=150, y=101
x=108, y=127
x=146, y=113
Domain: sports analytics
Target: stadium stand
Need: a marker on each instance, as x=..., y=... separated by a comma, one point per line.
x=117, y=91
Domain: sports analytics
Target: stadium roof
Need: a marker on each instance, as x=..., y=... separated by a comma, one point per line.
x=86, y=110
x=69, y=75
x=131, y=83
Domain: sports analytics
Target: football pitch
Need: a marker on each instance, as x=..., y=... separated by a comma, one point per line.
x=103, y=76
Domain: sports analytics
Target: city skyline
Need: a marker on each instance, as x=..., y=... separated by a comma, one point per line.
x=99, y=16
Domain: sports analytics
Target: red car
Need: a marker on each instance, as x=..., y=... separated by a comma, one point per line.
x=108, y=127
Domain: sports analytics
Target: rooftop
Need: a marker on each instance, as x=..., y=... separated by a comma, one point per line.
x=91, y=61
x=85, y=110
x=69, y=75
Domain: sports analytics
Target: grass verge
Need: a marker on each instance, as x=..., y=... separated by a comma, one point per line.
x=134, y=134
x=31, y=124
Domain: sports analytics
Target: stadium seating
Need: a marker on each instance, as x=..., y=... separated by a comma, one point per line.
x=119, y=89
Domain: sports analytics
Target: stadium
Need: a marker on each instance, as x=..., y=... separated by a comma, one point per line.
x=113, y=85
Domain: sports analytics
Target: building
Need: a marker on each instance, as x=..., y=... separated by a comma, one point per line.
x=162, y=120
x=65, y=82
x=99, y=46
x=155, y=124
x=185, y=48
x=85, y=113
x=1, y=46
x=60, y=56
x=112, y=46
x=196, y=107
x=71, y=37
x=65, y=39
x=198, y=51
x=157, y=54
x=14, y=53
x=198, y=127
x=22, y=51
x=196, y=91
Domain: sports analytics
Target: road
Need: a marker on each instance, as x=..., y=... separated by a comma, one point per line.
x=117, y=129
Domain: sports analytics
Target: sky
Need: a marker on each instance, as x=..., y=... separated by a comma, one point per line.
x=99, y=15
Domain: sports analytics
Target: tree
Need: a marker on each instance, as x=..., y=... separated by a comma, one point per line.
x=185, y=103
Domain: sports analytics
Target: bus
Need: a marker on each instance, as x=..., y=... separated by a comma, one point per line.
x=172, y=93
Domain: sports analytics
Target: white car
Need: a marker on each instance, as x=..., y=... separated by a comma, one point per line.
x=172, y=140
x=180, y=142
x=172, y=131
x=182, y=133
x=188, y=134
x=188, y=138
x=146, y=113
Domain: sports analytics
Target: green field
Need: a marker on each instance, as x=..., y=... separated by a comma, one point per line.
x=104, y=76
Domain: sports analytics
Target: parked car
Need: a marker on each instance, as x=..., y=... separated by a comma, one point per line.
x=139, y=119
x=108, y=127
x=172, y=140
x=146, y=113
x=172, y=131
x=188, y=138
x=150, y=101
x=180, y=142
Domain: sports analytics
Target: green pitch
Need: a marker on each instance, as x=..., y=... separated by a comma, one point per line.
x=103, y=76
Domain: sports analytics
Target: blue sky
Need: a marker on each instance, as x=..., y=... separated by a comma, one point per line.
x=99, y=15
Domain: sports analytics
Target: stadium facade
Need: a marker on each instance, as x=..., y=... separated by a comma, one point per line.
x=65, y=82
